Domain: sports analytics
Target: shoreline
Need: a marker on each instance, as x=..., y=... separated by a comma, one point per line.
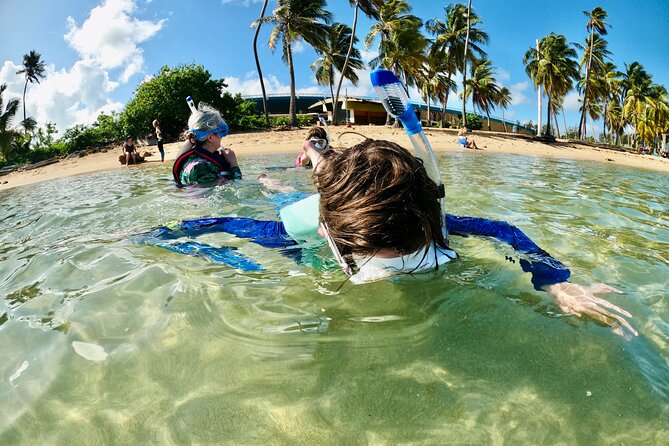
x=289, y=141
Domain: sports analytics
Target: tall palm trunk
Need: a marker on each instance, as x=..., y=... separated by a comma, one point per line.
x=548, y=115
x=504, y=122
x=564, y=121
x=255, y=52
x=443, y=114
x=24, y=99
x=464, y=70
x=581, y=124
x=488, y=115
x=343, y=70
x=557, y=127
x=291, y=69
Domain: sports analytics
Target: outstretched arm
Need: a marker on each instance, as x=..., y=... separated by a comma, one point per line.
x=548, y=274
x=545, y=269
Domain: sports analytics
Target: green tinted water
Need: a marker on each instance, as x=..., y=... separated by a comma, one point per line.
x=103, y=341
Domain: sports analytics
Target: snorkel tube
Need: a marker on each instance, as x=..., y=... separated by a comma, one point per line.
x=322, y=120
x=191, y=104
x=396, y=102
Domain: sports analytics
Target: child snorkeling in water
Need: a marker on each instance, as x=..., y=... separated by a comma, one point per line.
x=379, y=211
x=202, y=161
x=319, y=136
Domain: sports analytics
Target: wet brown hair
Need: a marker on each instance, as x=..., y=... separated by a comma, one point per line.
x=377, y=195
x=317, y=132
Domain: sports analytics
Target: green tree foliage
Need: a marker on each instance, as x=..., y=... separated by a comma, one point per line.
x=7, y=133
x=164, y=98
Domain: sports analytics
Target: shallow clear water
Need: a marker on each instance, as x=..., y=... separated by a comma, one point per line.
x=103, y=341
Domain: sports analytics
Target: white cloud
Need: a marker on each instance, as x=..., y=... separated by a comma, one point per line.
x=109, y=36
x=503, y=76
x=572, y=101
x=298, y=47
x=518, y=95
x=250, y=85
x=107, y=41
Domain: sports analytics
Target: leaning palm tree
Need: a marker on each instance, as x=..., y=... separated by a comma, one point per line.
x=594, y=58
x=482, y=87
x=553, y=67
x=33, y=70
x=332, y=59
x=255, y=53
x=450, y=37
x=371, y=9
x=7, y=133
x=297, y=19
x=596, y=24
x=503, y=100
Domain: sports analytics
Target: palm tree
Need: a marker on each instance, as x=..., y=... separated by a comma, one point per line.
x=33, y=70
x=610, y=77
x=450, y=38
x=482, y=87
x=255, y=53
x=636, y=92
x=553, y=67
x=295, y=20
x=594, y=54
x=464, y=62
x=401, y=46
x=503, y=100
x=371, y=9
x=7, y=133
x=392, y=17
x=432, y=82
x=404, y=53
x=332, y=59
x=596, y=24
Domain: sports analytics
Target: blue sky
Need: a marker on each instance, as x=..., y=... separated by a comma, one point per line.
x=98, y=51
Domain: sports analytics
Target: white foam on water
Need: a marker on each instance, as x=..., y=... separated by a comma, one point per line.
x=91, y=352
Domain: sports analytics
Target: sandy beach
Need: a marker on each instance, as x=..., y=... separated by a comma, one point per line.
x=254, y=143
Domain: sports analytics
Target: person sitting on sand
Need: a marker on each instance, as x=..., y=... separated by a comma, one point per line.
x=129, y=150
x=202, y=161
x=380, y=213
x=319, y=137
x=159, y=139
x=465, y=141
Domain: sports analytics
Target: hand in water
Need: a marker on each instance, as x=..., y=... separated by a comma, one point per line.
x=578, y=300
x=229, y=155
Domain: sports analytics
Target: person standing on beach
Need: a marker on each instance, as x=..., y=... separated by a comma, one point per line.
x=159, y=138
x=202, y=161
x=129, y=150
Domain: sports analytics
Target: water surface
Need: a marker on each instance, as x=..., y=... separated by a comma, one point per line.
x=103, y=341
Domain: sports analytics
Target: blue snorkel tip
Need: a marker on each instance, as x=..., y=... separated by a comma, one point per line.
x=395, y=100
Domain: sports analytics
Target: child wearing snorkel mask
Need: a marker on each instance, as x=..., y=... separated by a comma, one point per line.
x=319, y=137
x=202, y=160
x=380, y=213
